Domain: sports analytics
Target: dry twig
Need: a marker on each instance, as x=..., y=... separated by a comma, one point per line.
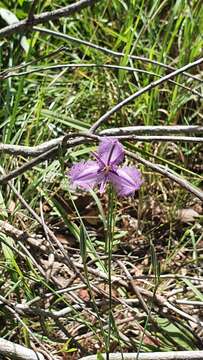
x=9, y=73
x=18, y=352
x=155, y=130
x=140, y=92
x=111, y=52
x=45, y=17
x=171, y=355
x=120, y=133
x=169, y=174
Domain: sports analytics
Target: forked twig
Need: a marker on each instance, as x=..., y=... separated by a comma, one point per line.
x=45, y=17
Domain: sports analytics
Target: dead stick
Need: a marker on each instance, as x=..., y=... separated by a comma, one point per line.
x=45, y=17
x=169, y=174
x=109, y=51
x=153, y=130
x=18, y=352
x=170, y=355
x=140, y=92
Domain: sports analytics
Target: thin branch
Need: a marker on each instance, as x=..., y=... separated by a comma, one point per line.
x=30, y=150
x=158, y=130
x=160, y=138
x=26, y=309
x=9, y=73
x=169, y=276
x=18, y=352
x=189, y=302
x=120, y=133
x=140, y=92
x=170, y=355
x=29, y=165
x=109, y=51
x=43, y=157
x=166, y=172
x=45, y=17
x=135, y=289
x=4, y=73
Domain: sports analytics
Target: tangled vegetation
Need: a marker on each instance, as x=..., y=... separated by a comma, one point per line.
x=84, y=272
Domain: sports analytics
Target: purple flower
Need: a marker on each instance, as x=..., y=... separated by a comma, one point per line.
x=126, y=180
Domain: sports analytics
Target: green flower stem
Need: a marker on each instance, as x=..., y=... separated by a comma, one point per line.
x=108, y=250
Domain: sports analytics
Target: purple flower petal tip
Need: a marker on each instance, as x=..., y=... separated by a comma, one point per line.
x=126, y=180
x=111, y=151
x=84, y=174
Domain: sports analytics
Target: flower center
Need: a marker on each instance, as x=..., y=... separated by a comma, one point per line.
x=106, y=169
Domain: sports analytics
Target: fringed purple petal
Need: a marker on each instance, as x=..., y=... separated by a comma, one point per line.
x=85, y=174
x=110, y=151
x=126, y=180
